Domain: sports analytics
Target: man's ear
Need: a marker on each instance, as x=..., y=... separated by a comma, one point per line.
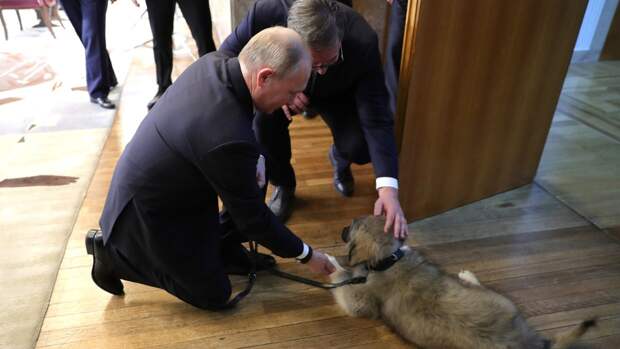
x=263, y=76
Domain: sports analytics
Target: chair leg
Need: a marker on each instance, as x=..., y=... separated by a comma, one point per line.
x=56, y=15
x=19, y=18
x=6, y=33
x=45, y=16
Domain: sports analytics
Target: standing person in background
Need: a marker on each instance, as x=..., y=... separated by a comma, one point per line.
x=161, y=18
x=88, y=19
x=394, y=49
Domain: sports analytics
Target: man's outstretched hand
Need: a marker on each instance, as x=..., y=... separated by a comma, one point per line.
x=320, y=264
x=387, y=204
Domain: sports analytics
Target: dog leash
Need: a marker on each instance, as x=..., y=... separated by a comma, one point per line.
x=297, y=278
x=382, y=265
x=323, y=285
x=251, y=280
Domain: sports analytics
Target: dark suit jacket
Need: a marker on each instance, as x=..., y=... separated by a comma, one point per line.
x=359, y=78
x=195, y=144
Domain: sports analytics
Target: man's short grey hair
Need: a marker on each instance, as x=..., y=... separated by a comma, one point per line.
x=278, y=48
x=317, y=23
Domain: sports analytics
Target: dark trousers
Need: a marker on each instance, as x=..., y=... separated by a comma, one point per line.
x=188, y=265
x=394, y=49
x=341, y=118
x=88, y=20
x=161, y=17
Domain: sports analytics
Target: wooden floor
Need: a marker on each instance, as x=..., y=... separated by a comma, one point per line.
x=51, y=139
x=581, y=164
x=554, y=263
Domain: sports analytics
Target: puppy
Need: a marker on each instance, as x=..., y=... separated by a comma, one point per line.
x=425, y=305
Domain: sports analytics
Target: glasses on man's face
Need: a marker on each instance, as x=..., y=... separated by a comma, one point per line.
x=339, y=59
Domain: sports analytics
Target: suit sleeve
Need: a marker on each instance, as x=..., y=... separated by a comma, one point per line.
x=231, y=170
x=377, y=121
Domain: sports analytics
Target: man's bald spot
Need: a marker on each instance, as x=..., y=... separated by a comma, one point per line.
x=278, y=48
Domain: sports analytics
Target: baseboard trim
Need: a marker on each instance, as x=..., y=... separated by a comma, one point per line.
x=585, y=56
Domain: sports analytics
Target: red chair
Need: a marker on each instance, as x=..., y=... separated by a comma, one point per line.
x=41, y=6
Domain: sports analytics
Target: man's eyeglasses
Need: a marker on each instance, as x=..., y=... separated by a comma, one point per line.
x=339, y=59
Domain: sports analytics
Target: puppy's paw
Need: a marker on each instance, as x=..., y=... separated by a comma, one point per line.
x=469, y=277
x=334, y=262
x=339, y=276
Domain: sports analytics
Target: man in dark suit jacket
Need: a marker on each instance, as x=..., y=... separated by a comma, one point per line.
x=88, y=20
x=350, y=96
x=160, y=222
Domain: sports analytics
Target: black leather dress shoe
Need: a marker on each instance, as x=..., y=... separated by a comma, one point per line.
x=103, y=102
x=153, y=101
x=102, y=275
x=343, y=178
x=263, y=262
x=281, y=202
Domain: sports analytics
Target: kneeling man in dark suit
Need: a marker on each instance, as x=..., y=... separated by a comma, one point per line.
x=160, y=224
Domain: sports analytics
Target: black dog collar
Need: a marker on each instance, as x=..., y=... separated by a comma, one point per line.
x=386, y=263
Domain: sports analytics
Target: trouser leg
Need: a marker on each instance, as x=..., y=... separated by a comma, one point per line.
x=272, y=133
x=187, y=265
x=394, y=49
x=349, y=139
x=99, y=73
x=198, y=17
x=161, y=20
x=73, y=9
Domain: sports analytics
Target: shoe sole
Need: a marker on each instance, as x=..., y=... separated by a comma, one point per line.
x=267, y=262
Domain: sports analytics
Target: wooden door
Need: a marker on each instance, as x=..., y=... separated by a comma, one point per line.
x=479, y=85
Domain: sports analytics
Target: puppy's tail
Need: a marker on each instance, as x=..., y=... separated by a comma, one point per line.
x=564, y=340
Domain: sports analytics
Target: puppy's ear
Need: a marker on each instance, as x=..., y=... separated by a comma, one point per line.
x=345, y=234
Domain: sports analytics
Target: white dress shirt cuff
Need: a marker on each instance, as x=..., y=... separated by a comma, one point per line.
x=387, y=182
x=304, y=253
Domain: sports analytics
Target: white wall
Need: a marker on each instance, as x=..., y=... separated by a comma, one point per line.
x=589, y=24
x=594, y=28
x=220, y=17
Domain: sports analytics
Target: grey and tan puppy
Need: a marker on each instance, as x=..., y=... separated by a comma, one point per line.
x=424, y=304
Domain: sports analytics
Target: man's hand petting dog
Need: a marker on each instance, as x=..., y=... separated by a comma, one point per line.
x=388, y=204
x=300, y=103
x=320, y=264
